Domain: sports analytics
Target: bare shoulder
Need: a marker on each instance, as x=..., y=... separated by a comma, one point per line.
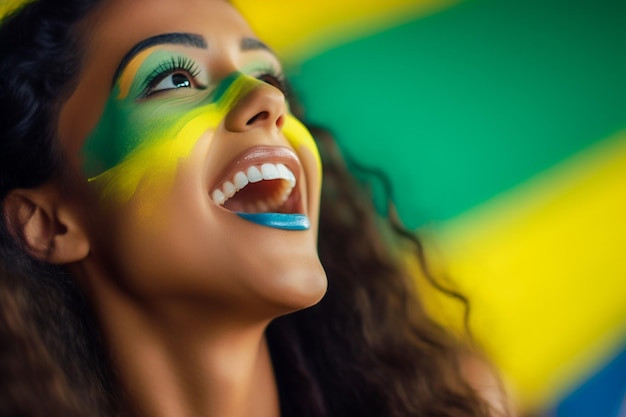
x=483, y=377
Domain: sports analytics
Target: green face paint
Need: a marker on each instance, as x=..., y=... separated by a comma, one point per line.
x=141, y=140
x=131, y=122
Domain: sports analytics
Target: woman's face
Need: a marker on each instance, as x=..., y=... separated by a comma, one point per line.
x=204, y=186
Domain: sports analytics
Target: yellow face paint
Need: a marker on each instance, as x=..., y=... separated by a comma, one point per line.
x=159, y=144
x=299, y=136
x=130, y=73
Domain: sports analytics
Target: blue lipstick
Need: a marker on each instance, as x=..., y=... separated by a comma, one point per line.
x=278, y=220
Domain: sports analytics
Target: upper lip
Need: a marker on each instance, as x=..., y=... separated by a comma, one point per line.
x=277, y=196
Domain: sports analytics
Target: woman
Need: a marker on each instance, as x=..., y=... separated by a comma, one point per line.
x=160, y=223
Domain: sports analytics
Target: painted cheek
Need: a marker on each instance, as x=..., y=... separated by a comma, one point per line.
x=149, y=143
x=300, y=138
x=149, y=171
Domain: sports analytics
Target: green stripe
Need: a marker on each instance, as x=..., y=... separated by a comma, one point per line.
x=462, y=105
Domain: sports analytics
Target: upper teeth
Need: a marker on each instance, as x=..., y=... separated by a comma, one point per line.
x=254, y=174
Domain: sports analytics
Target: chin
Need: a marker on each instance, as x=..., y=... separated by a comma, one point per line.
x=301, y=289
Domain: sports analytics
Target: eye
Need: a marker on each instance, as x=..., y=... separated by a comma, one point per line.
x=173, y=81
x=274, y=78
x=179, y=72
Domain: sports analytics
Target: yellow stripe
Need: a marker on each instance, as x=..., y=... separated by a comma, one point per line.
x=544, y=266
x=7, y=6
x=297, y=29
x=129, y=73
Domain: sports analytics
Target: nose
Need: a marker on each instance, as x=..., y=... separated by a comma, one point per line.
x=263, y=107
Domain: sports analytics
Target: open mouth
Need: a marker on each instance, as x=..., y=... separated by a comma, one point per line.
x=264, y=192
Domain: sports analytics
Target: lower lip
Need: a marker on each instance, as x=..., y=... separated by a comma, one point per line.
x=280, y=221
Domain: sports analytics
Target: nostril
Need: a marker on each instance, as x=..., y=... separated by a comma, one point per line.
x=280, y=122
x=264, y=107
x=258, y=117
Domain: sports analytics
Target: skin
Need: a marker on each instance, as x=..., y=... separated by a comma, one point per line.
x=182, y=287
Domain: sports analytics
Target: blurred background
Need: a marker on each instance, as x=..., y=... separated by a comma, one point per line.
x=502, y=126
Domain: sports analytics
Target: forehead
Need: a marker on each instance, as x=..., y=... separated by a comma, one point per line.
x=116, y=25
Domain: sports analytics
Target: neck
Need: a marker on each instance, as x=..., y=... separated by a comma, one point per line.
x=185, y=362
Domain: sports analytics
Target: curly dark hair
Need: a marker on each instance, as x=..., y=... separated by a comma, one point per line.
x=367, y=349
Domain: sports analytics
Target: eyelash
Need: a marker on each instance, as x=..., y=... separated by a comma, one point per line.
x=276, y=78
x=178, y=64
x=269, y=75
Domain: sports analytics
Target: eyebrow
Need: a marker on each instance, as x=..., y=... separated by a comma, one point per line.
x=253, y=44
x=185, y=39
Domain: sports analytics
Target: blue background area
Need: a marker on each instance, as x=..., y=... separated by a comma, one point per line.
x=603, y=395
